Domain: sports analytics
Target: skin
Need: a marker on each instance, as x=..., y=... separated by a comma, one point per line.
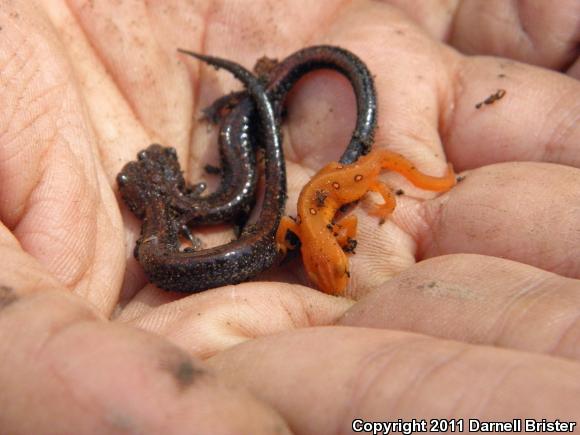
x=86, y=85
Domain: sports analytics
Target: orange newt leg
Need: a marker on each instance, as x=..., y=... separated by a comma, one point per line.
x=286, y=224
x=384, y=210
x=345, y=229
x=398, y=163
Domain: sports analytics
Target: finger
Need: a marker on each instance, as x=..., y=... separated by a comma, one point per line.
x=118, y=132
x=574, y=70
x=531, y=32
x=537, y=119
x=20, y=269
x=55, y=198
x=321, y=112
x=88, y=376
x=321, y=116
x=481, y=300
x=382, y=375
x=117, y=129
x=525, y=212
x=381, y=254
x=245, y=32
x=213, y=321
x=100, y=377
x=147, y=74
x=434, y=18
x=431, y=91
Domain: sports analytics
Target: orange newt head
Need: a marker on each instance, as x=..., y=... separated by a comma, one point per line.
x=327, y=267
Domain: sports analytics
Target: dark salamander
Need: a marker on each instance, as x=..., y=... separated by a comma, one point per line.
x=330, y=57
x=282, y=76
x=160, y=164
x=149, y=182
x=231, y=201
x=235, y=196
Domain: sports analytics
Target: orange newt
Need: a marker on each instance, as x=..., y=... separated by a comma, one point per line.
x=323, y=241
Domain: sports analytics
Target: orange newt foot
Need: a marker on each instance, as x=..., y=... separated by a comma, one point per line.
x=344, y=230
x=383, y=211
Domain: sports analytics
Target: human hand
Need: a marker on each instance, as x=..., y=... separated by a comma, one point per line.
x=103, y=86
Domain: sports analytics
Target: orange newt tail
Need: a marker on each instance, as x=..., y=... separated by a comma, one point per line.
x=324, y=241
